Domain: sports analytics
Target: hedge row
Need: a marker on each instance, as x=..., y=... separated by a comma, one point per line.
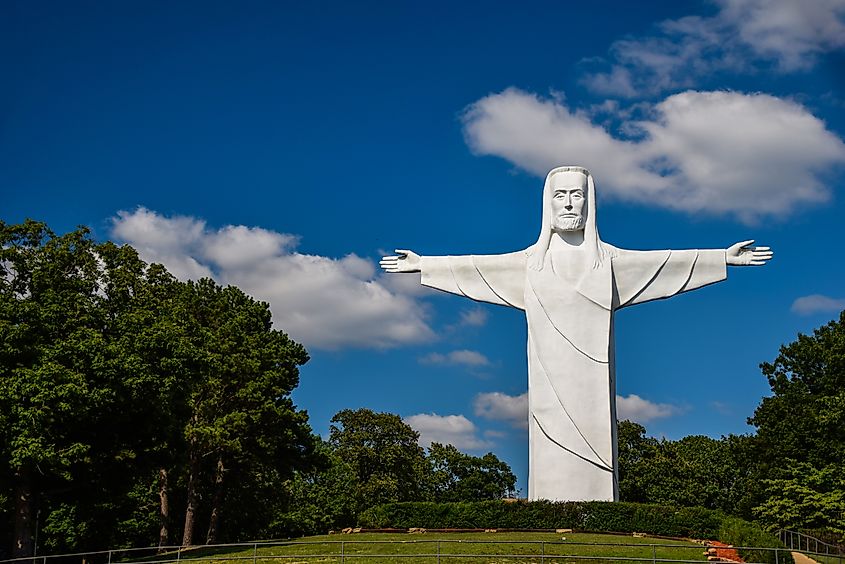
x=596, y=516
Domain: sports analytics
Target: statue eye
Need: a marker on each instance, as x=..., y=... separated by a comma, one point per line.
x=559, y=195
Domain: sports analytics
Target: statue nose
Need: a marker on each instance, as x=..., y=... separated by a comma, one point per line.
x=568, y=207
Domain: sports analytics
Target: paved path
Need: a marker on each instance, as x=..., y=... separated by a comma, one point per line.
x=801, y=559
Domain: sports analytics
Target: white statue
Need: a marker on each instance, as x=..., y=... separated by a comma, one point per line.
x=569, y=284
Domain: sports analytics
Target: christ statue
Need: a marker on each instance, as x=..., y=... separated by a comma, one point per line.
x=569, y=284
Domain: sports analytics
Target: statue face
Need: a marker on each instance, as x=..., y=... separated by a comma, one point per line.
x=569, y=193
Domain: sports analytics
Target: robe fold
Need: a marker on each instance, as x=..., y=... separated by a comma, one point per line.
x=571, y=378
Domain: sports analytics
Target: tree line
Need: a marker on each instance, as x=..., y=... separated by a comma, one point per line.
x=136, y=408
x=789, y=473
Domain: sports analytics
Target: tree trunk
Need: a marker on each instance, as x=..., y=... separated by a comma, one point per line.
x=164, y=508
x=22, y=546
x=191, y=509
x=217, y=502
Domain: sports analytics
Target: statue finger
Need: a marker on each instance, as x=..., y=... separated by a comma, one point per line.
x=404, y=252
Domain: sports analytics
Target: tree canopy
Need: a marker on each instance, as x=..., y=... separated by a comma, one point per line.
x=123, y=390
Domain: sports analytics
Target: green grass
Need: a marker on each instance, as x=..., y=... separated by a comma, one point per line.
x=474, y=548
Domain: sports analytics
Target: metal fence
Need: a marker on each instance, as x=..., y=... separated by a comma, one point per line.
x=430, y=551
x=811, y=546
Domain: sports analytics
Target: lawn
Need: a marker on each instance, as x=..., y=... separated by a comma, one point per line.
x=458, y=548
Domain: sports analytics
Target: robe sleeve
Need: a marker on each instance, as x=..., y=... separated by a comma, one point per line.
x=642, y=276
x=495, y=279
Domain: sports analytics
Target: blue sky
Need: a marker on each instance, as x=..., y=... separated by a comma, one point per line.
x=283, y=147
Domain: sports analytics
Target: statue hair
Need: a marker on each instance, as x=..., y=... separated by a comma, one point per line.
x=598, y=251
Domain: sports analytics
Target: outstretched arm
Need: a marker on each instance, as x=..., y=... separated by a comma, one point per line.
x=741, y=254
x=496, y=279
x=642, y=276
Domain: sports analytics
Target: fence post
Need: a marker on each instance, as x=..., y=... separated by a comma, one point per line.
x=776, y=556
x=342, y=555
x=654, y=553
x=178, y=554
x=438, y=552
x=254, y=552
x=110, y=557
x=542, y=551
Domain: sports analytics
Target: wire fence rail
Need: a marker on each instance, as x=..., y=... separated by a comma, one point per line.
x=435, y=551
x=812, y=546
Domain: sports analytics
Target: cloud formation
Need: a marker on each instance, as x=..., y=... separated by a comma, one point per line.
x=474, y=317
x=783, y=34
x=460, y=357
x=498, y=406
x=455, y=430
x=502, y=407
x=322, y=302
x=817, y=303
x=635, y=408
x=725, y=153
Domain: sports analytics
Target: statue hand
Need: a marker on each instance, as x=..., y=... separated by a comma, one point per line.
x=406, y=261
x=740, y=254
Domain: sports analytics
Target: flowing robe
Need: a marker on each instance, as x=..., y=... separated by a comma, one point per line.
x=571, y=378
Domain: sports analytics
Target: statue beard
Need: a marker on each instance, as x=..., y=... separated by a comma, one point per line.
x=569, y=223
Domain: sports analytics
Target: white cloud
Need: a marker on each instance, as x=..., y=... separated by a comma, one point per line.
x=817, y=303
x=635, y=408
x=502, y=407
x=743, y=33
x=319, y=301
x=728, y=153
x=455, y=430
x=790, y=32
x=475, y=317
x=514, y=409
x=462, y=357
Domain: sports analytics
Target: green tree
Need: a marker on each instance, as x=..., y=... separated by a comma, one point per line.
x=121, y=388
x=693, y=471
x=321, y=498
x=805, y=497
x=636, y=454
x=50, y=346
x=457, y=476
x=804, y=418
x=387, y=462
x=241, y=414
x=801, y=431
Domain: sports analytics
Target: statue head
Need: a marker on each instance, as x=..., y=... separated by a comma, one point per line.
x=569, y=204
x=569, y=192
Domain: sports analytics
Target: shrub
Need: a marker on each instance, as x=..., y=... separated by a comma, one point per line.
x=595, y=516
x=739, y=532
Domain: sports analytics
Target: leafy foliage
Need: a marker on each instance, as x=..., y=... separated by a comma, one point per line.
x=113, y=375
x=693, y=471
x=801, y=433
x=373, y=458
x=806, y=497
x=383, y=452
x=456, y=476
